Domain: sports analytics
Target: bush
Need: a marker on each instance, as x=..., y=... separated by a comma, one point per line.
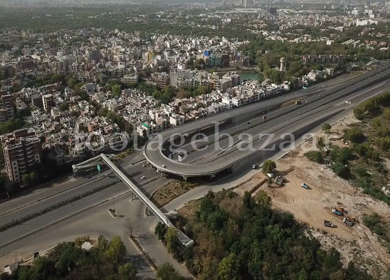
x=366, y=151
x=355, y=135
x=383, y=132
x=326, y=127
x=386, y=114
x=360, y=171
x=341, y=170
x=342, y=155
x=378, y=226
x=320, y=142
x=383, y=143
x=376, y=123
x=314, y=156
x=359, y=113
x=372, y=105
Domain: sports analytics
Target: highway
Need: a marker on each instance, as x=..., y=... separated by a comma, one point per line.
x=292, y=119
x=119, y=188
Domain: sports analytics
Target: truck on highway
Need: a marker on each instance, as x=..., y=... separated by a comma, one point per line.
x=255, y=166
x=297, y=102
x=265, y=118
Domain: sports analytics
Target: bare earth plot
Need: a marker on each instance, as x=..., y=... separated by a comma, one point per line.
x=313, y=206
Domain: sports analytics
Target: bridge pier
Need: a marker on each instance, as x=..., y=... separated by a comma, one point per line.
x=147, y=211
x=133, y=196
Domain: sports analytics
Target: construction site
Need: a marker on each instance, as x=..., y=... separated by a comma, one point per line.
x=330, y=207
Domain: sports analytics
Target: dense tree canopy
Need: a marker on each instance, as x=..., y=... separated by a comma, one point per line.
x=242, y=238
x=69, y=261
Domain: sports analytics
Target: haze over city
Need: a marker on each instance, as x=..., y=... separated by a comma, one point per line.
x=217, y=140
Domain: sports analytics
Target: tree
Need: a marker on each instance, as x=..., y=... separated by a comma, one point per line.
x=130, y=226
x=72, y=82
x=5, y=276
x=228, y=269
x=341, y=170
x=102, y=243
x=160, y=230
x=75, y=114
x=64, y=107
x=268, y=166
x=33, y=177
x=303, y=275
x=171, y=239
x=80, y=240
x=326, y=127
x=116, y=89
x=263, y=199
x=128, y=272
x=26, y=179
x=116, y=250
x=355, y=135
x=167, y=272
x=340, y=155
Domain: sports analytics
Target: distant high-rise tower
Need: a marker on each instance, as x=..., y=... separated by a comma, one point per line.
x=273, y=11
x=282, y=64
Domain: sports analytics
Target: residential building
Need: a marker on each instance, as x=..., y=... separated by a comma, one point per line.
x=6, y=107
x=22, y=150
x=130, y=79
x=47, y=101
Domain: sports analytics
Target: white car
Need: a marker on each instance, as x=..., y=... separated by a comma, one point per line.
x=163, y=166
x=143, y=177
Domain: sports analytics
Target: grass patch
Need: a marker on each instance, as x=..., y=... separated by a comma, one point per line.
x=314, y=156
x=170, y=191
x=288, y=103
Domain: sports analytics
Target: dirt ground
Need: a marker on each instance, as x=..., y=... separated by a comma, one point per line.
x=313, y=206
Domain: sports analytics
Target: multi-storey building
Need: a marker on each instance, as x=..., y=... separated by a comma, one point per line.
x=162, y=79
x=47, y=101
x=130, y=79
x=22, y=150
x=7, y=110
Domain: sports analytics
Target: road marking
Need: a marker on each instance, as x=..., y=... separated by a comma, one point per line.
x=365, y=91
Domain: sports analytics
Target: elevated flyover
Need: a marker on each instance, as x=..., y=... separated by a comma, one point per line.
x=295, y=119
